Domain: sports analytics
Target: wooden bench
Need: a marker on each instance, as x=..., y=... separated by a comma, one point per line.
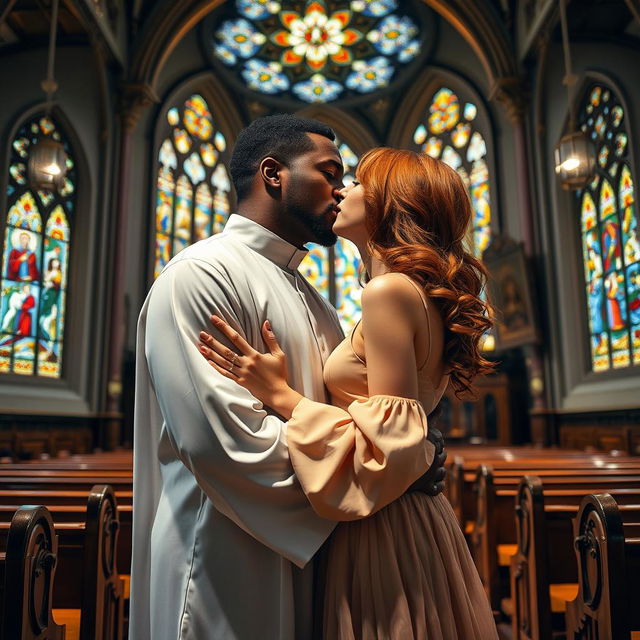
x=461, y=472
x=607, y=544
x=494, y=537
x=544, y=573
x=27, y=567
x=91, y=606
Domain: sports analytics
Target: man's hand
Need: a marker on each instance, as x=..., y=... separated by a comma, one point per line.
x=432, y=482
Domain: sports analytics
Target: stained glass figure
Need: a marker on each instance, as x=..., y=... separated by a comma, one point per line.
x=193, y=189
x=459, y=143
x=315, y=50
x=35, y=262
x=610, y=246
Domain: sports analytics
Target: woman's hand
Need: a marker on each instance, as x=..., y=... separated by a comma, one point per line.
x=262, y=374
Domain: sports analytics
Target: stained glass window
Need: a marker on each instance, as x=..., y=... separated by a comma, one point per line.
x=315, y=50
x=334, y=271
x=35, y=262
x=193, y=188
x=608, y=222
x=449, y=132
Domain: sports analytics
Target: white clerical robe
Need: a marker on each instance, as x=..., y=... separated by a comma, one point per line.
x=222, y=529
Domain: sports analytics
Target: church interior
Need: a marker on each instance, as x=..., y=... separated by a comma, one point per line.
x=117, y=124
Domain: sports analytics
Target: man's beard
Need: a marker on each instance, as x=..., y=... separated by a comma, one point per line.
x=318, y=225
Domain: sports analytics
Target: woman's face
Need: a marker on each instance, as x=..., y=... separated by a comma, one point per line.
x=350, y=223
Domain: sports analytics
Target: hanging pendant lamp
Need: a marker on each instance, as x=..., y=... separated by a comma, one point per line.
x=575, y=156
x=47, y=158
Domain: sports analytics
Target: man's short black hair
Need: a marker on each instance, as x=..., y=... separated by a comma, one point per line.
x=282, y=136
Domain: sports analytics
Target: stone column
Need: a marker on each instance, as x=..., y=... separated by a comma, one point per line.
x=134, y=98
x=512, y=94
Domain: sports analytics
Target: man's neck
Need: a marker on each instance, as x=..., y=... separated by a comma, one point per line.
x=272, y=221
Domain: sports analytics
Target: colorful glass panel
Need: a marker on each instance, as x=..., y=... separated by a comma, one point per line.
x=197, y=203
x=184, y=205
x=315, y=268
x=420, y=134
x=164, y=201
x=607, y=199
x=313, y=50
x=348, y=288
x=203, y=210
x=35, y=264
x=609, y=231
x=460, y=135
x=167, y=155
x=182, y=140
x=194, y=168
x=444, y=111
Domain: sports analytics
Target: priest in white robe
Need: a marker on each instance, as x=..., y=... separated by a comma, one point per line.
x=223, y=533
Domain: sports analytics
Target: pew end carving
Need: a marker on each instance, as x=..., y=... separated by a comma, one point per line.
x=30, y=564
x=608, y=563
x=529, y=591
x=103, y=601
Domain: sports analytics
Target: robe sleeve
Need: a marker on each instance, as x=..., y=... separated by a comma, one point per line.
x=353, y=462
x=236, y=450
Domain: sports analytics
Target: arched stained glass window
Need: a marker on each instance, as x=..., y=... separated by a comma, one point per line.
x=449, y=133
x=35, y=262
x=608, y=222
x=316, y=51
x=334, y=271
x=193, y=188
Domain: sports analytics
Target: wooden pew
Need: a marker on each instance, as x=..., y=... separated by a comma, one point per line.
x=28, y=566
x=494, y=534
x=544, y=573
x=607, y=544
x=461, y=472
x=87, y=542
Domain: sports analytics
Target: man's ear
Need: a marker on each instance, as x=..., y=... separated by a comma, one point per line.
x=270, y=172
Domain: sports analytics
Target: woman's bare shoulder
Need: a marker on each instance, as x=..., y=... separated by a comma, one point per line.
x=391, y=290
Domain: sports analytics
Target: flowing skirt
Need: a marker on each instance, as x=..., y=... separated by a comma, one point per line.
x=404, y=573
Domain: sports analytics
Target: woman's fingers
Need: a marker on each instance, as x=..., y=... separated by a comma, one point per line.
x=244, y=347
x=217, y=346
x=218, y=362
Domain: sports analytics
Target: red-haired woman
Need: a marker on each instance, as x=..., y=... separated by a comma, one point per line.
x=398, y=566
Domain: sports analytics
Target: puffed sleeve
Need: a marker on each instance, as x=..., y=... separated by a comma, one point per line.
x=353, y=462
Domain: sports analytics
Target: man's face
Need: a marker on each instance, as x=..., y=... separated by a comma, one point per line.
x=310, y=191
x=24, y=240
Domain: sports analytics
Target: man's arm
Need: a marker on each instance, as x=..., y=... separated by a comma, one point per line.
x=235, y=450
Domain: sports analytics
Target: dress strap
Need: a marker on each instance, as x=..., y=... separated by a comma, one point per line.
x=426, y=309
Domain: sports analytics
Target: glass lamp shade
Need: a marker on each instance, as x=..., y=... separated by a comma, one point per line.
x=47, y=165
x=575, y=160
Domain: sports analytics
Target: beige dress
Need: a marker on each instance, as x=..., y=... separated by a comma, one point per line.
x=400, y=567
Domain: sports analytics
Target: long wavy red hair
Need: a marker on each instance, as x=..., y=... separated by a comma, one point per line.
x=418, y=216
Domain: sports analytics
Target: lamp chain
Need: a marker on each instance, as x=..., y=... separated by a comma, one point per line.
x=49, y=84
x=569, y=78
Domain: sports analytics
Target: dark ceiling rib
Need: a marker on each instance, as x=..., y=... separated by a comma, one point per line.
x=634, y=7
x=5, y=8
